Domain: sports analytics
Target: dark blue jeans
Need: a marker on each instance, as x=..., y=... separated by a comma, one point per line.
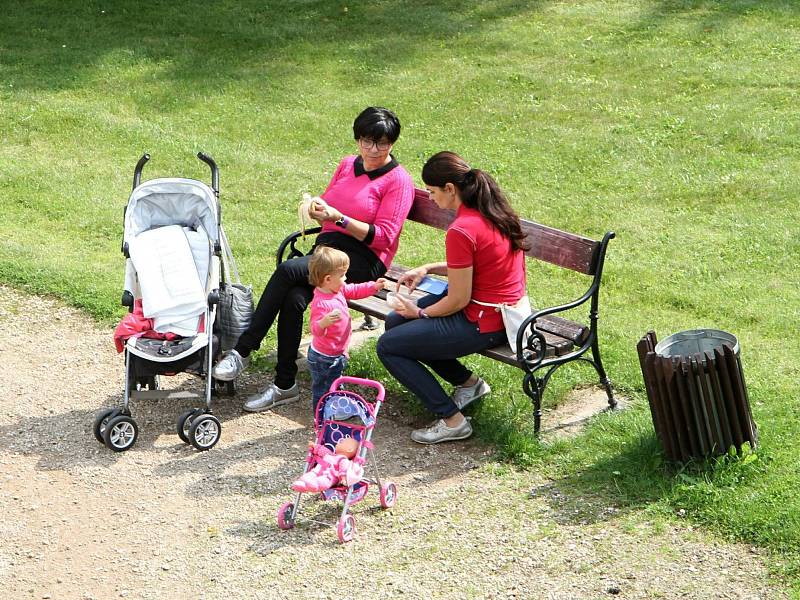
x=408, y=346
x=324, y=371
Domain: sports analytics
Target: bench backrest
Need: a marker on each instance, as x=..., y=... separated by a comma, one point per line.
x=550, y=245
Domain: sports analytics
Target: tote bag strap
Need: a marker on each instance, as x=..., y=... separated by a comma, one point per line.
x=228, y=261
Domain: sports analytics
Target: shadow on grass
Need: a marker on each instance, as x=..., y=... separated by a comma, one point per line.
x=615, y=484
x=707, y=16
x=65, y=440
x=49, y=45
x=56, y=45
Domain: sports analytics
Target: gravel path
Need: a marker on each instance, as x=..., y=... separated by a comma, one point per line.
x=163, y=521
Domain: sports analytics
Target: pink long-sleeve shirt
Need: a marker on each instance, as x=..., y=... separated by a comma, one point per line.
x=383, y=201
x=334, y=339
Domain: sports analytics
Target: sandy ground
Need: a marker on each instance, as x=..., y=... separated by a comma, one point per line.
x=164, y=521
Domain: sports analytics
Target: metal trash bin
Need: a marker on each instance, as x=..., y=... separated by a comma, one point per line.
x=696, y=390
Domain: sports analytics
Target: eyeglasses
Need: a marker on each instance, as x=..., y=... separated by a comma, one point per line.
x=368, y=144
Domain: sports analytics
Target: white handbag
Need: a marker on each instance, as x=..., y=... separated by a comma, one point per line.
x=513, y=317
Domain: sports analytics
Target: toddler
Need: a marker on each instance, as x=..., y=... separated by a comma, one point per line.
x=330, y=317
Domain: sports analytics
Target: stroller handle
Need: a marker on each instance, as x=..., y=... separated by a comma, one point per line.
x=137, y=172
x=214, y=171
x=360, y=381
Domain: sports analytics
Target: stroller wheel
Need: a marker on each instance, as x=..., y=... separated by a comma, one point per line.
x=388, y=495
x=102, y=420
x=346, y=529
x=120, y=433
x=285, y=520
x=185, y=422
x=204, y=431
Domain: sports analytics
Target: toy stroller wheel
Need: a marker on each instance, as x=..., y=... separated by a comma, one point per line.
x=388, y=495
x=120, y=433
x=204, y=431
x=184, y=422
x=346, y=529
x=101, y=421
x=285, y=520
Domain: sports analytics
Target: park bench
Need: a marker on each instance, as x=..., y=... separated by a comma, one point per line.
x=553, y=340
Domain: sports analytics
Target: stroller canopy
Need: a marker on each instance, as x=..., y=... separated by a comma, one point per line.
x=172, y=201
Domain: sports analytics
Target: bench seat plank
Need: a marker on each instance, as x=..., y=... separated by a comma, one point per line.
x=575, y=332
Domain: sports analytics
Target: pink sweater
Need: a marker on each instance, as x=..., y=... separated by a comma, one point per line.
x=334, y=339
x=383, y=201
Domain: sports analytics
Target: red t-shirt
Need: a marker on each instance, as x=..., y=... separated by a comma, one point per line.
x=498, y=273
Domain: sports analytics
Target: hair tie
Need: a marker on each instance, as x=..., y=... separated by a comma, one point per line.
x=470, y=176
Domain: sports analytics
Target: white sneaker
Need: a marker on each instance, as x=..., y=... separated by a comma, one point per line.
x=467, y=394
x=231, y=365
x=440, y=432
x=271, y=397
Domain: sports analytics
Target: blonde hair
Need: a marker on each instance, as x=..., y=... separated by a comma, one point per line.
x=326, y=261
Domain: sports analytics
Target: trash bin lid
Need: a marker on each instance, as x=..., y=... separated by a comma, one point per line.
x=690, y=342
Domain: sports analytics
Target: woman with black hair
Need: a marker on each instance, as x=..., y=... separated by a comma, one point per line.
x=485, y=265
x=365, y=205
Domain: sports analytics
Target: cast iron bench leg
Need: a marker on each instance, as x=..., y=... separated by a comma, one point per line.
x=369, y=323
x=531, y=385
x=598, y=365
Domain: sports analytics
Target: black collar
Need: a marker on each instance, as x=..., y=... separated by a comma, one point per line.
x=358, y=168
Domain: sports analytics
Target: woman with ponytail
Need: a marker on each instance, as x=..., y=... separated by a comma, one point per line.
x=484, y=264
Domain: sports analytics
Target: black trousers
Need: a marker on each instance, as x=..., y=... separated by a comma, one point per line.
x=288, y=293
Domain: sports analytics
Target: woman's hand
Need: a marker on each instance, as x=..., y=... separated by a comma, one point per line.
x=412, y=278
x=409, y=308
x=320, y=211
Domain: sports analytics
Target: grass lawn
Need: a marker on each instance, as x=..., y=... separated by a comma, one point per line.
x=672, y=123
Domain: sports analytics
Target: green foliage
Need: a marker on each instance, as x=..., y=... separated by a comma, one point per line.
x=672, y=123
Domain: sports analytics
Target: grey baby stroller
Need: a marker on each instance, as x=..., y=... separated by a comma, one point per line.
x=175, y=266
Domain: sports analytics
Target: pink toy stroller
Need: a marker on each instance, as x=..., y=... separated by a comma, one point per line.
x=341, y=414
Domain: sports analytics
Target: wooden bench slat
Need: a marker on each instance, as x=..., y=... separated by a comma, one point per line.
x=547, y=243
x=503, y=354
x=395, y=271
x=573, y=331
x=560, y=248
x=556, y=346
x=425, y=211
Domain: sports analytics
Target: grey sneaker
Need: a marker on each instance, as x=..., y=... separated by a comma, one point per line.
x=440, y=432
x=271, y=397
x=464, y=395
x=231, y=365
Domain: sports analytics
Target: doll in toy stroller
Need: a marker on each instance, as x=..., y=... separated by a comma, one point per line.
x=335, y=463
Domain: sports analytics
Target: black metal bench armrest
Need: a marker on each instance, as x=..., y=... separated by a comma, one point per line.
x=290, y=242
x=531, y=354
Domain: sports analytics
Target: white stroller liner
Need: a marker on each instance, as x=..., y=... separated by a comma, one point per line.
x=172, y=265
x=172, y=242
